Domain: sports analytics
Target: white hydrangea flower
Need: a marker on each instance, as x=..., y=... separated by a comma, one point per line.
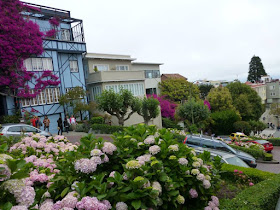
x=173, y=148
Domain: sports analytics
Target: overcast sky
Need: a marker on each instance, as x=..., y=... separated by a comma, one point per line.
x=200, y=39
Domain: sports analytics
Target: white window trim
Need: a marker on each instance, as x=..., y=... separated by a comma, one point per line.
x=39, y=64
x=72, y=69
x=120, y=66
x=137, y=89
x=107, y=65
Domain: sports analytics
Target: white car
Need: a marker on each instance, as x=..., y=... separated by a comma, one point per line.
x=20, y=129
x=226, y=157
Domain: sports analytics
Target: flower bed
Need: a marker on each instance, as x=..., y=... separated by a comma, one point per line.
x=144, y=168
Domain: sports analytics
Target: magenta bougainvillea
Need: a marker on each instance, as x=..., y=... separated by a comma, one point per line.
x=207, y=104
x=167, y=108
x=20, y=38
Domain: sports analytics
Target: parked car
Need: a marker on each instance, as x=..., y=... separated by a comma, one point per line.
x=238, y=136
x=268, y=147
x=226, y=157
x=198, y=141
x=20, y=129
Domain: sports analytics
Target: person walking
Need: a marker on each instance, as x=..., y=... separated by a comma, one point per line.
x=33, y=121
x=59, y=126
x=73, y=122
x=39, y=123
x=66, y=124
x=46, y=122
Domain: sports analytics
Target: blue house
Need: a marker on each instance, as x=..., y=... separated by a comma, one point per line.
x=63, y=54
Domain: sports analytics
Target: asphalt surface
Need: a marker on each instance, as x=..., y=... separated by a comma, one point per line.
x=76, y=136
x=274, y=168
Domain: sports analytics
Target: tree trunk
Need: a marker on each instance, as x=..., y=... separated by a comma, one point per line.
x=121, y=121
x=81, y=115
x=147, y=122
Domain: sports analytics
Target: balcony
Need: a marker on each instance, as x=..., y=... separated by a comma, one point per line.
x=115, y=76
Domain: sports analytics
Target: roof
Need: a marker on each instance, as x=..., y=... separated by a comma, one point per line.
x=109, y=56
x=147, y=63
x=172, y=76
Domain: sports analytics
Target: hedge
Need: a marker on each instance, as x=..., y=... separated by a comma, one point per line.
x=274, y=141
x=97, y=120
x=180, y=138
x=254, y=152
x=227, y=172
x=107, y=129
x=267, y=157
x=167, y=123
x=261, y=196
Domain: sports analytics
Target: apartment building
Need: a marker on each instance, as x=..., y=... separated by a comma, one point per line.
x=62, y=55
x=113, y=71
x=260, y=88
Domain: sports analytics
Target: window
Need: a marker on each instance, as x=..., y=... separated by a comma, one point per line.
x=71, y=88
x=193, y=141
x=25, y=102
x=29, y=129
x=271, y=87
x=56, y=94
x=65, y=34
x=101, y=67
x=122, y=68
x=150, y=91
x=96, y=91
x=208, y=144
x=49, y=95
x=152, y=74
x=137, y=89
x=33, y=101
x=74, y=66
x=42, y=98
x=38, y=64
x=273, y=94
x=15, y=129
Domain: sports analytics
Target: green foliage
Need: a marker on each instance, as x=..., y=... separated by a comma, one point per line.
x=256, y=153
x=223, y=121
x=97, y=120
x=204, y=89
x=178, y=90
x=168, y=123
x=263, y=195
x=242, y=126
x=122, y=104
x=9, y=141
x=256, y=70
x=257, y=126
x=10, y=119
x=275, y=109
x=246, y=101
x=149, y=108
x=256, y=175
x=194, y=112
x=220, y=99
x=193, y=128
x=274, y=141
x=267, y=157
x=107, y=129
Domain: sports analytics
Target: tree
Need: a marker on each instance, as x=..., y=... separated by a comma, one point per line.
x=75, y=98
x=193, y=111
x=149, y=109
x=220, y=99
x=178, y=90
x=20, y=38
x=223, y=121
x=256, y=69
x=204, y=90
x=242, y=126
x=257, y=126
x=122, y=104
x=246, y=101
x=167, y=108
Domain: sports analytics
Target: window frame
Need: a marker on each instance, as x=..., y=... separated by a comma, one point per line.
x=74, y=70
x=107, y=66
x=118, y=66
x=39, y=64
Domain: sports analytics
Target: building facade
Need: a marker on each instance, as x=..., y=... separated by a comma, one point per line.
x=63, y=54
x=260, y=88
x=112, y=71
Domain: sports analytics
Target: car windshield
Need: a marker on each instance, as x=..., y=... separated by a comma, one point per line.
x=236, y=161
x=1, y=129
x=262, y=141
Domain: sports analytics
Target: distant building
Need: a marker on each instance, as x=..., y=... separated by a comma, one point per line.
x=172, y=76
x=113, y=71
x=215, y=83
x=260, y=88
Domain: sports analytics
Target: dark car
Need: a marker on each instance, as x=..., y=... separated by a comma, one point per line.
x=198, y=141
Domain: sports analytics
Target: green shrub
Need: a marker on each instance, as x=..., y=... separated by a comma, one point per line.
x=80, y=128
x=180, y=138
x=267, y=157
x=263, y=195
x=274, y=141
x=97, y=120
x=108, y=129
x=242, y=126
x=167, y=123
x=11, y=140
x=254, y=174
x=10, y=119
x=256, y=153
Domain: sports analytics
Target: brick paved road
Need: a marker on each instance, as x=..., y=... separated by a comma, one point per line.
x=76, y=136
x=275, y=168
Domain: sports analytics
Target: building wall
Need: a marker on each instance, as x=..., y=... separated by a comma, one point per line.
x=273, y=92
x=111, y=63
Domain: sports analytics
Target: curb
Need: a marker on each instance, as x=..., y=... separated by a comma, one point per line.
x=268, y=162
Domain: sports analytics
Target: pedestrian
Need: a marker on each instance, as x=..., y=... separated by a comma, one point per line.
x=66, y=124
x=39, y=123
x=46, y=122
x=73, y=122
x=59, y=126
x=33, y=121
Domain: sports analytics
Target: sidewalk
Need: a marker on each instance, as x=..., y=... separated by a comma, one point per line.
x=74, y=137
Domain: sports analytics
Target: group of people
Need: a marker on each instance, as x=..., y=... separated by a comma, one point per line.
x=66, y=124
x=36, y=122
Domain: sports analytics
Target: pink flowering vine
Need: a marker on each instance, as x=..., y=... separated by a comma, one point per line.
x=20, y=38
